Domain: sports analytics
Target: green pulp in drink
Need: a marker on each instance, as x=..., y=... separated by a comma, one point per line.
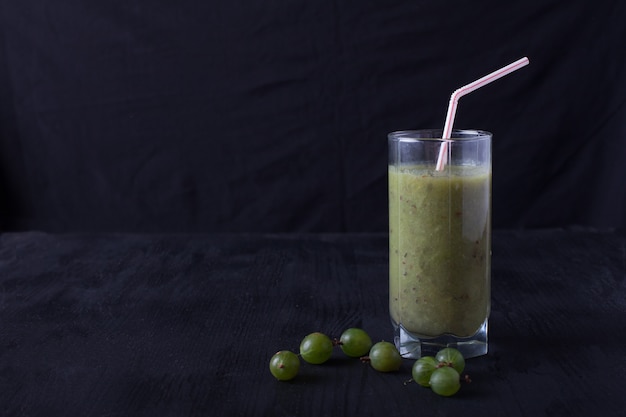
x=439, y=249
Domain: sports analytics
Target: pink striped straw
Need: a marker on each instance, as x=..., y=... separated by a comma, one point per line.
x=454, y=101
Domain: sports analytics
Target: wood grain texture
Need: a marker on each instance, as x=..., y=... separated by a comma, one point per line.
x=184, y=325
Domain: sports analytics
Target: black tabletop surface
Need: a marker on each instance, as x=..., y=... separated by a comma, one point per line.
x=185, y=325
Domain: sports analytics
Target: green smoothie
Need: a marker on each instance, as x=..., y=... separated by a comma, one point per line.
x=439, y=249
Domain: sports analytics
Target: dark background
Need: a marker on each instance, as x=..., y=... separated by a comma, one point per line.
x=151, y=116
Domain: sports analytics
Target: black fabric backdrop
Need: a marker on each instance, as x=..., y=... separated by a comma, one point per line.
x=130, y=115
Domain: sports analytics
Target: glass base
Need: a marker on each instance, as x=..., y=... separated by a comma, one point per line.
x=414, y=346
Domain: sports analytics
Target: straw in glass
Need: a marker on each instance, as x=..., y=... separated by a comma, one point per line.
x=454, y=101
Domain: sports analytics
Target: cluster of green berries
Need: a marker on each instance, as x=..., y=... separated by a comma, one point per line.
x=317, y=348
x=441, y=373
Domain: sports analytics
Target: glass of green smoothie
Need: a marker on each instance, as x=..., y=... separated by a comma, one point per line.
x=439, y=241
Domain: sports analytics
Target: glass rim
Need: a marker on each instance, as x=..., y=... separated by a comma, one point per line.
x=435, y=135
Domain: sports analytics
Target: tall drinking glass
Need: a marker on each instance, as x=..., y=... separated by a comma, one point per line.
x=440, y=241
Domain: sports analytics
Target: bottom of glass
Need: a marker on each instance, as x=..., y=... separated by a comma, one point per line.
x=415, y=346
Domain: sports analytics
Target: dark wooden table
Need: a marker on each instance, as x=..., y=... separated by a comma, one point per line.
x=184, y=325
